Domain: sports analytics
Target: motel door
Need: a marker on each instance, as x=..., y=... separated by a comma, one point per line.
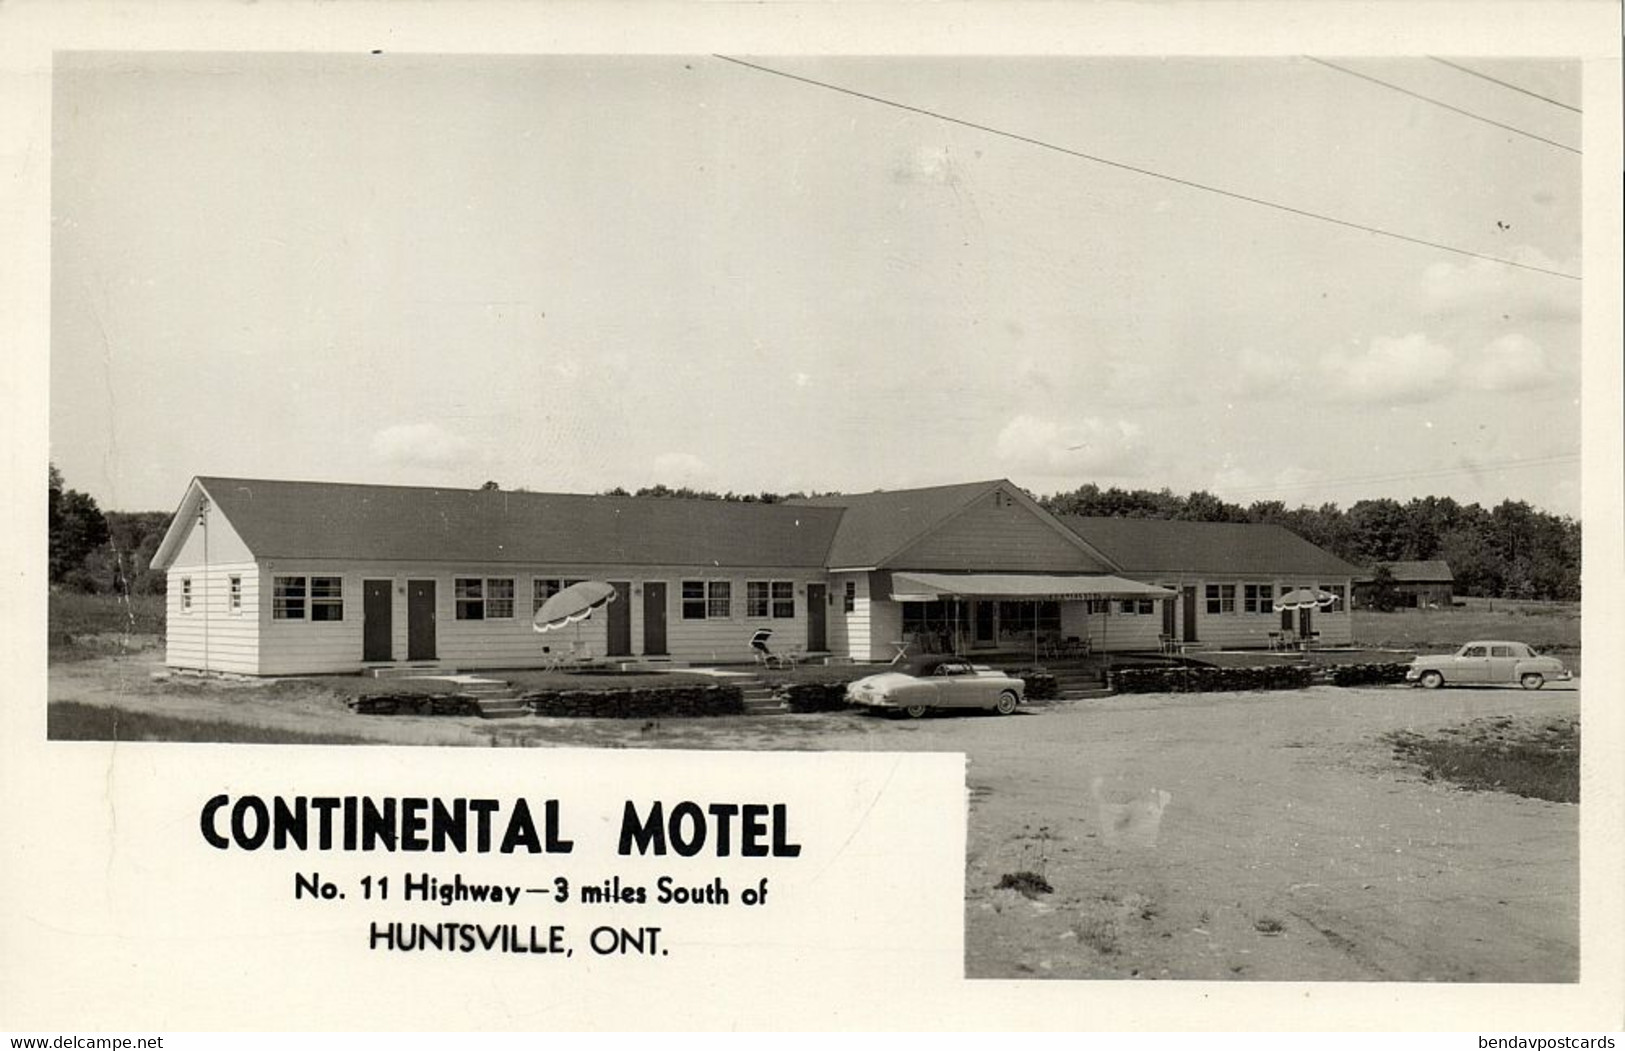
x=984, y=623
x=1187, y=603
x=817, y=609
x=378, y=626
x=420, y=620
x=654, y=618
x=620, y=619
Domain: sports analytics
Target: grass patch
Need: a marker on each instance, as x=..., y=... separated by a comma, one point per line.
x=73, y=613
x=72, y=721
x=1535, y=758
x=1544, y=625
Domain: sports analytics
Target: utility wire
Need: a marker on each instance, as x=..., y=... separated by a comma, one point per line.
x=1504, y=84
x=1144, y=171
x=1442, y=105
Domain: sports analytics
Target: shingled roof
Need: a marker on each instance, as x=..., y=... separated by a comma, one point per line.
x=1434, y=571
x=1155, y=545
x=880, y=524
x=325, y=520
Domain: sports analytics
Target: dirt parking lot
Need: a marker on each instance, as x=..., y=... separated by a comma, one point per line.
x=1264, y=836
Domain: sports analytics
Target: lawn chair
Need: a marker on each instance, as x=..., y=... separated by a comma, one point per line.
x=765, y=656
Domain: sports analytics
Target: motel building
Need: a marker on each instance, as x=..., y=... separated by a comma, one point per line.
x=271, y=577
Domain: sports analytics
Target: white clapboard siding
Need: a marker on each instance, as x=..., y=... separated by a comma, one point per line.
x=212, y=636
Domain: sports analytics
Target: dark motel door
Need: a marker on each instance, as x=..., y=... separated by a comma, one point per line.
x=817, y=610
x=377, y=614
x=620, y=619
x=654, y=618
x=1187, y=604
x=420, y=620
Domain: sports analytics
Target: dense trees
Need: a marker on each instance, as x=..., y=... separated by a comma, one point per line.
x=1511, y=550
x=102, y=552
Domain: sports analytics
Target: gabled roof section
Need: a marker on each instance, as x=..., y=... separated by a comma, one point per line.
x=879, y=527
x=1164, y=546
x=326, y=520
x=1432, y=571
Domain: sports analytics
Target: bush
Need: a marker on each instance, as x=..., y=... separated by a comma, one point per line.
x=1367, y=674
x=414, y=704
x=638, y=702
x=805, y=697
x=1204, y=679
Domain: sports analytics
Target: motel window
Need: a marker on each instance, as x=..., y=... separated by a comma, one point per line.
x=236, y=583
x=1258, y=598
x=719, y=599
x=483, y=598
x=1221, y=598
x=849, y=600
x=704, y=599
x=186, y=594
x=288, y=598
x=1023, y=617
x=693, y=600
x=756, y=598
x=1135, y=606
x=1340, y=603
x=326, y=598
x=470, y=597
x=784, y=599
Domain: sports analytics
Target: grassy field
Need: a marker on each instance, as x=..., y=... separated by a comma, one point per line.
x=72, y=613
x=71, y=721
x=1535, y=758
x=1544, y=625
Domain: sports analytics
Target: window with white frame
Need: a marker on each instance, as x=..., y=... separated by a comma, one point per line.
x=849, y=598
x=1258, y=598
x=326, y=598
x=1340, y=602
x=1221, y=598
x=483, y=598
x=707, y=599
x=235, y=583
x=186, y=594
x=784, y=599
x=288, y=596
x=719, y=599
x=1130, y=607
x=757, y=598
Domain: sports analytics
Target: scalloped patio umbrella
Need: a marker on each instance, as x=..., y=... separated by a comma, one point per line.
x=573, y=605
x=1305, y=598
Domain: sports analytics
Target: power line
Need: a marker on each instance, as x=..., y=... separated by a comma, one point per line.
x=1442, y=105
x=1504, y=84
x=1041, y=143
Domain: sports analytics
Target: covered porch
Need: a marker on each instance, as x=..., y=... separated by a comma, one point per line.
x=1037, y=616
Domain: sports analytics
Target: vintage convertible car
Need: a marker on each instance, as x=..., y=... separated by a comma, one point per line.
x=1479, y=663
x=938, y=682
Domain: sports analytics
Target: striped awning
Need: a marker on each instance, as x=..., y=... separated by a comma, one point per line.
x=929, y=587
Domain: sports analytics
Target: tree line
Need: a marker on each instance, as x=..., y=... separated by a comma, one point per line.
x=1511, y=550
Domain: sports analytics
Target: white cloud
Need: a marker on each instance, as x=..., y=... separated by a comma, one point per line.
x=1408, y=369
x=421, y=445
x=1496, y=291
x=1044, y=446
x=1512, y=363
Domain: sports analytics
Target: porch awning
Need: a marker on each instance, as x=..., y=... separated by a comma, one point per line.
x=929, y=587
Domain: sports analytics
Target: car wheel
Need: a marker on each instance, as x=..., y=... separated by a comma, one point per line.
x=1533, y=680
x=1007, y=703
x=916, y=711
x=1432, y=680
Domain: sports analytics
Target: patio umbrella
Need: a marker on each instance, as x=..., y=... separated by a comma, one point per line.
x=1305, y=598
x=572, y=606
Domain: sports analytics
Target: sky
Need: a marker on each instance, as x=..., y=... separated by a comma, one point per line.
x=568, y=273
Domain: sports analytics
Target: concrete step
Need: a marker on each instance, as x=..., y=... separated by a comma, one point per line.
x=409, y=671
x=502, y=708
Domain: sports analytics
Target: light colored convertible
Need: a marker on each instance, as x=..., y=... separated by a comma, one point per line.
x=1481, y=663
x=938, y=682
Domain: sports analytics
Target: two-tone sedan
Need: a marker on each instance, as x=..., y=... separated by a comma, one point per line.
x=1487, y=663
x=927, y=683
